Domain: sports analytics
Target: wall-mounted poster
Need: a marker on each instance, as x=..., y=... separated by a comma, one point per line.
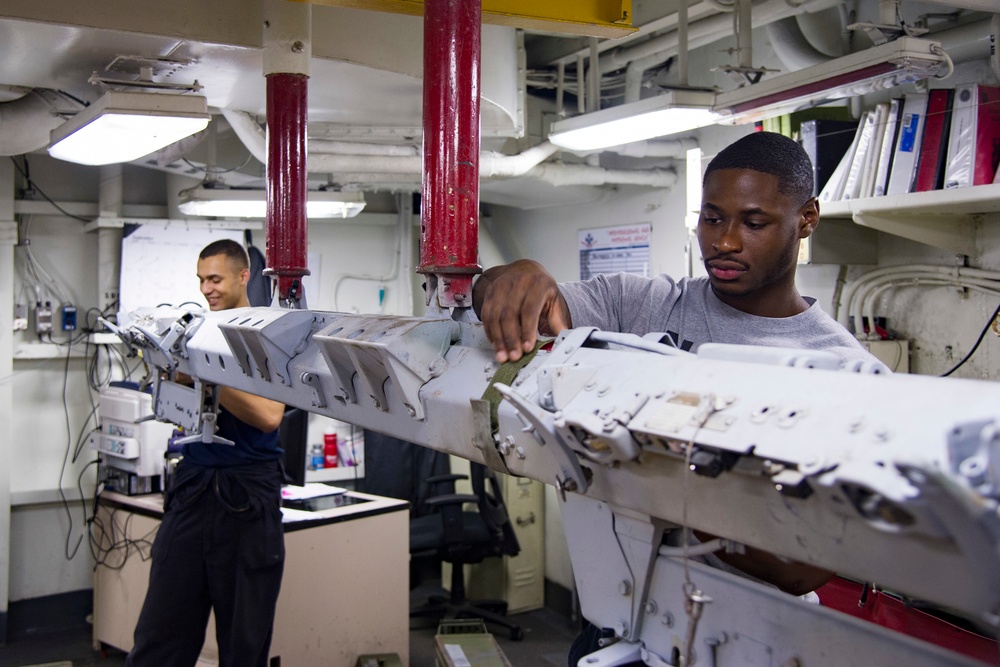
x=622, y=249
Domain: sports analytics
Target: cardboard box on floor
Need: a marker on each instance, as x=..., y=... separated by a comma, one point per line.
x=466, y=643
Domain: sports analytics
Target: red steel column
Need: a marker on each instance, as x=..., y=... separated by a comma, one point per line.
x=287, y=225
x=287, y=42
x=449, y=211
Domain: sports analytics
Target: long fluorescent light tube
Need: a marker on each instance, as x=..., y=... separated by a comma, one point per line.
x=902, y=61
x=673, y=112
x=223, y=203
x=125, y=126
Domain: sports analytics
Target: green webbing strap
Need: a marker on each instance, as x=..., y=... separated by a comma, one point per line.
x=505, y=375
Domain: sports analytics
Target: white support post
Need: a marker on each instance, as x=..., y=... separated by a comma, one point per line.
x=109, y=239
x=744, y=36
x=8, y=238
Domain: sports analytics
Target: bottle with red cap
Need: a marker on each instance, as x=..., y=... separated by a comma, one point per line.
x=330, y=447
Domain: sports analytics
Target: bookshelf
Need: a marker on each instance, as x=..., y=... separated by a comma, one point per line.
x=941, y=218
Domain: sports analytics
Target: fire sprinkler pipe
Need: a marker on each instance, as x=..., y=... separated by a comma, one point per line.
x=449, y=211
x=287, y=47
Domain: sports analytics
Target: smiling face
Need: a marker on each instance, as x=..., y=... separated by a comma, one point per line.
x=223, y=282
x=749, y=234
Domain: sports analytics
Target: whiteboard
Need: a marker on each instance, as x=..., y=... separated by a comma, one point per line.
x=160, y=264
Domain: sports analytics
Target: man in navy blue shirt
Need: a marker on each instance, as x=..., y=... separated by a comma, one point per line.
x=221, y=544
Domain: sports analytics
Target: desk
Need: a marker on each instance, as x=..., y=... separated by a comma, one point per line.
x=344, y=592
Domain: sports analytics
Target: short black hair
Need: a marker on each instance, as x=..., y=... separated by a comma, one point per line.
x=770, y=153
x=231, y=249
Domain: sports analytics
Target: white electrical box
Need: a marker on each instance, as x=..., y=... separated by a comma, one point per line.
x=893, y=353
x=125, y=442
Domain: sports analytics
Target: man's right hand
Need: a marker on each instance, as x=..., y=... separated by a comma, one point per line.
x=515, y=303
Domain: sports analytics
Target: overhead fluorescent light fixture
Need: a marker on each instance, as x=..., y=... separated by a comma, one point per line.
x=673, y=112
x=905, y=60
x=124, y=126
x=235, y=203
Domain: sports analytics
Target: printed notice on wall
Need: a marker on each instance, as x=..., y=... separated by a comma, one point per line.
x=623, y=249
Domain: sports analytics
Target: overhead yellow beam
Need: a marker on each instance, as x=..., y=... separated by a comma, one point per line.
x=594, y=18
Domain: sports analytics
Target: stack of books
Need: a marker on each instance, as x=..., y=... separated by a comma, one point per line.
x=946, y=138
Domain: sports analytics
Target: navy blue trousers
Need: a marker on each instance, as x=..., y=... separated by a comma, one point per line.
x=220, y=547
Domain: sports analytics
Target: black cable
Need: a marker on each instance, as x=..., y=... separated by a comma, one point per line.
x=81, y=438
x=83, y=499
x=69, y=445
x=217, y=171
x=34, y=186
x=975, y=347
x=76, y=99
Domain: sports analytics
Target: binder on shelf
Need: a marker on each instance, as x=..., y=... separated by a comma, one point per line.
x=904, y=157
x=974, y=138
x=888, y=145
x=834, y=188
x=855, y=173
x=933, y=148
x=870, y=168
x=826, y=142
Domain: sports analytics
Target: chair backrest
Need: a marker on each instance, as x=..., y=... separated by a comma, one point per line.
x=399, y=469
x=492, y=509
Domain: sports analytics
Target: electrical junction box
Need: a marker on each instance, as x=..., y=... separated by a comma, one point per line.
x=123, y=441
x=21, y=317
x=893, y=353
x=69, y=317
x=43, y=318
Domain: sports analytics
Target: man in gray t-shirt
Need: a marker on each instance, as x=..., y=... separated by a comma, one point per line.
x=690, y=312
x=757, y=205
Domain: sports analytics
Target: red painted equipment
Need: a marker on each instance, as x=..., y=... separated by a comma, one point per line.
x=449, y=212
x=287, y=232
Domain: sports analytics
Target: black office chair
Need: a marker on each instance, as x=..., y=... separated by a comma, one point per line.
x=460, y=537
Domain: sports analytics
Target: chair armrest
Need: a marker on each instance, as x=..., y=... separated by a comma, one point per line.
x=451, y=499
x=437, y=479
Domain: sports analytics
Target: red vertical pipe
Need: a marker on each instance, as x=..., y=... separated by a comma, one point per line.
x=449, y=209
x=287, y=232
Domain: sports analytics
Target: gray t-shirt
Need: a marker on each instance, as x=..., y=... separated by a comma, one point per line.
x=691, y=314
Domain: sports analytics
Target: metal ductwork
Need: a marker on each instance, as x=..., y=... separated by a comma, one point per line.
x=25, y=124
x=396, y=165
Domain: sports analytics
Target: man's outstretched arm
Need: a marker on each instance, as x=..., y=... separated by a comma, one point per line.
x=517, y=301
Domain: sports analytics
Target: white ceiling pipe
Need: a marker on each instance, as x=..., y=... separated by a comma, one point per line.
x=333, y=163
x=25, y=124
x=551, y=172
x=249, y=131
x=580, y=174
x=635, y=71
x=498, y=165
x=358, y=148
x=491, y=165
x=669, y=148
x=388, y=168
x=379, y=158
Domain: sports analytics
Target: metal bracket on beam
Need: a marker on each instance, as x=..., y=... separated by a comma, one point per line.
x=406, y=351
x=264, y=340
